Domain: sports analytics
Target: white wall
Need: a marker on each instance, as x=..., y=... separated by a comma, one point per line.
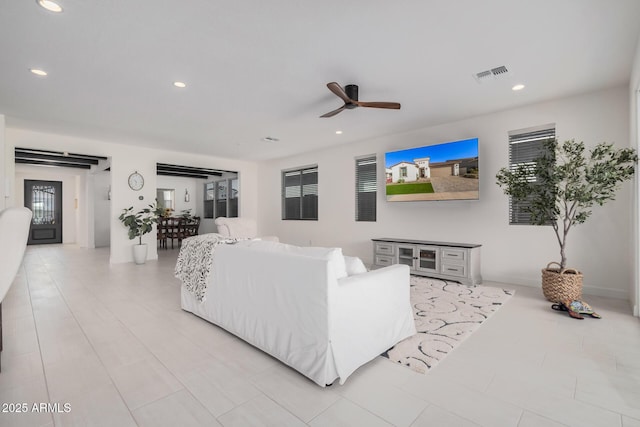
x=126, y=159
x=3, y=180
x=634, y=103
x=102, y=209
x=180, y=184
x=601, y=248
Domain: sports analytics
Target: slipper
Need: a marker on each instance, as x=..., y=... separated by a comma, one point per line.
x=576, y=309
x=581, y=307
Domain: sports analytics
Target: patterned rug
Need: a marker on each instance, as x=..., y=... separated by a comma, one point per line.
x=445, y=314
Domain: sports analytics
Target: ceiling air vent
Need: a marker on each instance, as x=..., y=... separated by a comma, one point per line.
x=492, y=74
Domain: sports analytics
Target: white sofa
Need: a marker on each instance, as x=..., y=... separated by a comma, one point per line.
x=301, y=306
x=14, y=233
x=239, y=228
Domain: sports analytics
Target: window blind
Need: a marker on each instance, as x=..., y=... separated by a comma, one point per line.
x=525, y=146
x=366, y=188
x=221, y=198
x=300, y=194
x=209, y=195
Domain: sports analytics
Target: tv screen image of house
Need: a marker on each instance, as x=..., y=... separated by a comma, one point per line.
x=447, y=171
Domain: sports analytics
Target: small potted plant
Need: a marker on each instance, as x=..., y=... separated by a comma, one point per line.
x=139, y=224
x=569, y=183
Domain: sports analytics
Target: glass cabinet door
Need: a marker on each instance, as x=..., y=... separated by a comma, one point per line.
x=406, y=255
x=428, y=258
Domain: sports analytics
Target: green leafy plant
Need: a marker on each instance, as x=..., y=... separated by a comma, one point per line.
x=141, y=222
x=569, y=183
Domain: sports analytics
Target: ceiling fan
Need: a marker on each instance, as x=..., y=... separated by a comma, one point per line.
x=350, y=97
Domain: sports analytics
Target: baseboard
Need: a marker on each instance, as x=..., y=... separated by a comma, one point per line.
x=587, y=290
x=604, y=292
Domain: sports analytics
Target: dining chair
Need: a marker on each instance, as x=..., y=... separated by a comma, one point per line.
x=176, y=230
x=163, y=229
x=192, y=227
x=14, y=231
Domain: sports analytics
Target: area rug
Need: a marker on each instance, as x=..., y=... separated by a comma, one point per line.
x=445, y=314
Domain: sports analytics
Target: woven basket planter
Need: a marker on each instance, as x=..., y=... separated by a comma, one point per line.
x=560, y=285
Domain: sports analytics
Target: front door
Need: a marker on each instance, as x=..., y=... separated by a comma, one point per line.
x=44, y=198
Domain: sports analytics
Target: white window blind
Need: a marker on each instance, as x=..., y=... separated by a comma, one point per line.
x=525, y=146
x=366, y=188
x=300, y=194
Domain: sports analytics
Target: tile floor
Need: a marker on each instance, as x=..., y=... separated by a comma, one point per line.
x=112, y=342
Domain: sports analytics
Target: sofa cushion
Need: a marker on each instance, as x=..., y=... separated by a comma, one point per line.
x=334, y=255
x=354, y=265
x=236, y=227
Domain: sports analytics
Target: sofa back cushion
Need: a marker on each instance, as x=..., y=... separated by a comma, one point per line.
x=333, y=255
x=241, y=228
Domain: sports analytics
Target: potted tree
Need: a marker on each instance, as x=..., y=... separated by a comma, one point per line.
x=569, y=183
x=139, y=224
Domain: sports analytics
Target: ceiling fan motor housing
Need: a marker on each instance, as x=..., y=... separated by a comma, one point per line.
x=352, y=93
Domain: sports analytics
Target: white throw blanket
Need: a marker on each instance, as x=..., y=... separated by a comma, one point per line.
x=195, y=261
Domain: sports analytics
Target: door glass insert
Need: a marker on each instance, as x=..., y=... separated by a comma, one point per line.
x=43, y=204
x=405, y=256
x=428, y=259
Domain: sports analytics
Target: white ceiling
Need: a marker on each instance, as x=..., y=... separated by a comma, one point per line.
x=258, y=68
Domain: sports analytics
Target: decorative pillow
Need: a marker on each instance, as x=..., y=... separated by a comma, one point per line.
x=354, y=265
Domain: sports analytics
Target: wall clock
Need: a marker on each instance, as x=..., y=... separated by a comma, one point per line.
x=136, y=181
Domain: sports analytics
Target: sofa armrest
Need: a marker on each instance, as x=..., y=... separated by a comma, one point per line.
x=369, y=313
x=384, y=290
x=392, y=276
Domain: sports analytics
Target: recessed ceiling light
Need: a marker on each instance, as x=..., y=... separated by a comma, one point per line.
x=180, y=84
x=38, y=72
x=518, y=87
x=50, y=5
x=338, y=132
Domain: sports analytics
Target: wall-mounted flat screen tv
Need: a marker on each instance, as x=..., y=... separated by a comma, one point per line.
x=447, y=171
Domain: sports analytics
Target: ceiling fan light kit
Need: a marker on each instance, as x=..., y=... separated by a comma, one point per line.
x=350, y=97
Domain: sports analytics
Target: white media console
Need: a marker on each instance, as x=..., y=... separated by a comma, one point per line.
x=458, y=262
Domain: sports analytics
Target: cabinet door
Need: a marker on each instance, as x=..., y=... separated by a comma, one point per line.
x=384, y=248
x=454, y=270
x=428, y=259
x=452, y=254
x=383, y=260
x=406, y=255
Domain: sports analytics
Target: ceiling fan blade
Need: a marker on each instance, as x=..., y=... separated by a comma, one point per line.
x=339, y=91
x=390, y=105
x=334, y=112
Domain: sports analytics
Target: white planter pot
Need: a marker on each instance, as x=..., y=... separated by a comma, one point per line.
x=140, y=253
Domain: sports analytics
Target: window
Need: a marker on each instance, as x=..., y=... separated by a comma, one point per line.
x=219, y=201
x=300, y=194
x=403, y=172
x=524, y=147
x=209, y=196
x=233, y=199
x=366, y=188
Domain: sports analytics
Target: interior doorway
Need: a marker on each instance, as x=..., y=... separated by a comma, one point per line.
x=44, y=198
